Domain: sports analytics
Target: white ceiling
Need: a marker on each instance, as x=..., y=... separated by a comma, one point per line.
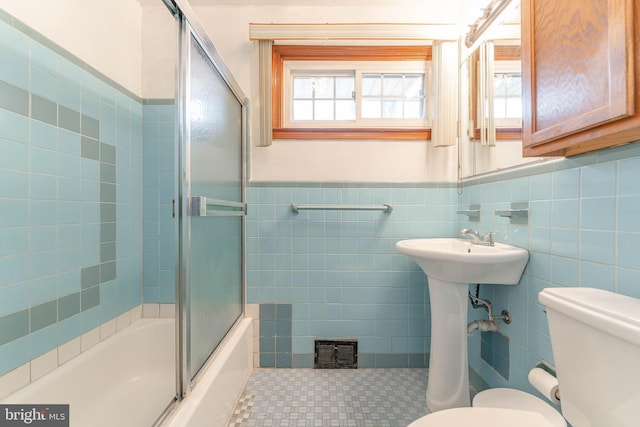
x=346, y=3
x=422, y=4
x=466, y=10
x=441, y=8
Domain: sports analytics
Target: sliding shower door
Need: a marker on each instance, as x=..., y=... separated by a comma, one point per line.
x=212, y=206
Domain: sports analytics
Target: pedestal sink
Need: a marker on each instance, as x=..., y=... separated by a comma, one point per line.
x=450, y=265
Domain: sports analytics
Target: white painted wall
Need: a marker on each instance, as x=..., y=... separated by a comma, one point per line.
x=326, y=161
x=159, y=51
x=353, y=161
x=106, y=34
x=506, y=154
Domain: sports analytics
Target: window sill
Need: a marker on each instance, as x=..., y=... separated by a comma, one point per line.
x=503, y=133
x=364, y=133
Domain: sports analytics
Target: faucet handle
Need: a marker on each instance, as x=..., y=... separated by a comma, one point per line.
x=489, y=237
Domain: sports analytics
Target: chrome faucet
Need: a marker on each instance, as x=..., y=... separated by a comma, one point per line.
x=486, y=240
x=472, y=233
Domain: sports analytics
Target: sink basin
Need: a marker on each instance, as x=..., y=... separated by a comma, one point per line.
x=460, y=261
x=450, y=265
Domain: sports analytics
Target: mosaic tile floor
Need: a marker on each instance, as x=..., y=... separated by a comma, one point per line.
x=332, y=398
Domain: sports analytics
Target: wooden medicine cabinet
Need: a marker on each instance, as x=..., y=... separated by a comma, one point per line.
x=581, y=75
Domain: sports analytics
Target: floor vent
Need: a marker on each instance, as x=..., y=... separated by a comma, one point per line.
x=338, y=354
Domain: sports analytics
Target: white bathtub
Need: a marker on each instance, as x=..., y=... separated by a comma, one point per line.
x=126, y=380
x=129, y=380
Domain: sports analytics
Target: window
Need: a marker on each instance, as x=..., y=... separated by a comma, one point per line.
x=393, y=96
x=347, y=92
x=333, y=96
x=319, y=97
x=507, y=96
x=368, y=94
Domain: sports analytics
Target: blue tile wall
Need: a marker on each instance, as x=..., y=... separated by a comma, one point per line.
x=339, y=270
x=582, y=231
x=275, y=335
x=494, y=350
x=159, y=189
x=70, y=196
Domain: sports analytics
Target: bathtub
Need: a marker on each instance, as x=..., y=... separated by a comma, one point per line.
x=126, y=380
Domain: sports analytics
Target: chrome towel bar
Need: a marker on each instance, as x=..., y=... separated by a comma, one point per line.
x=208, y=206
x=386, y=208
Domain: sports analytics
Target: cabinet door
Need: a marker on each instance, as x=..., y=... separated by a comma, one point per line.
x=578, y=69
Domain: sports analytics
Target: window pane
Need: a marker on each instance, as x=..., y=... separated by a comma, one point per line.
x=323, y=87
x=514, y=107
x=508, y=95
x=392, y=85
x=500, y=108
x=345, y=110
x=302, y=110
x=392, y=109
x=371, y=108
x=371, y=84
x=414, y=109
x=499, y=84
x=323, y=110
x=514, y=87
x=414, y=86
x=302, y=87
x=345, y=87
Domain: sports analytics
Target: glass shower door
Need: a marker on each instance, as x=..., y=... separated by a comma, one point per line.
x=212, y=197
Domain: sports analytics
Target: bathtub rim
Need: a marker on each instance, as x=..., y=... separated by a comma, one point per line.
x=181, y=412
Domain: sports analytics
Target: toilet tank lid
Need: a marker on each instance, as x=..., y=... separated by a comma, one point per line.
x=615, y=314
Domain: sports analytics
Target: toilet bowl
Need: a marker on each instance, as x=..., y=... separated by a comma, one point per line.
x=482, y=417
x=509, y=398
x=497, y=407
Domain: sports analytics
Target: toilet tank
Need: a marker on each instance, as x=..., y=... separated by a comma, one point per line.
x=595, y=338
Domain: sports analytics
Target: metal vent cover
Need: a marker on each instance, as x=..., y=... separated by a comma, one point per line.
x=336, y=354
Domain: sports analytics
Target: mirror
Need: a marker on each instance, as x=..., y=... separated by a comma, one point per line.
x=504, y=88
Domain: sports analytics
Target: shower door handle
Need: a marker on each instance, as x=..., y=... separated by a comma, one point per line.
x=208, y=206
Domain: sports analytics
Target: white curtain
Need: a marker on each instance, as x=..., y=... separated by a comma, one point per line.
x=486, y=116
x=444, y=130
x=264, y=47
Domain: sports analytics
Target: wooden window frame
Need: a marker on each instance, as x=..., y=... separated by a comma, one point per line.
x=501, y=53
x=282, y=53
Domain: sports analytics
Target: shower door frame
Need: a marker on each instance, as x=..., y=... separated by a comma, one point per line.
x=190, y=26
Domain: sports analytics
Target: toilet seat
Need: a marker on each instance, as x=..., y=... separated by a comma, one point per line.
x=509, y=398
x=482, y=417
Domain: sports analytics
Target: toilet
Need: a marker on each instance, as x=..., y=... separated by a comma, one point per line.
x=509, y=398
x=595, y=338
